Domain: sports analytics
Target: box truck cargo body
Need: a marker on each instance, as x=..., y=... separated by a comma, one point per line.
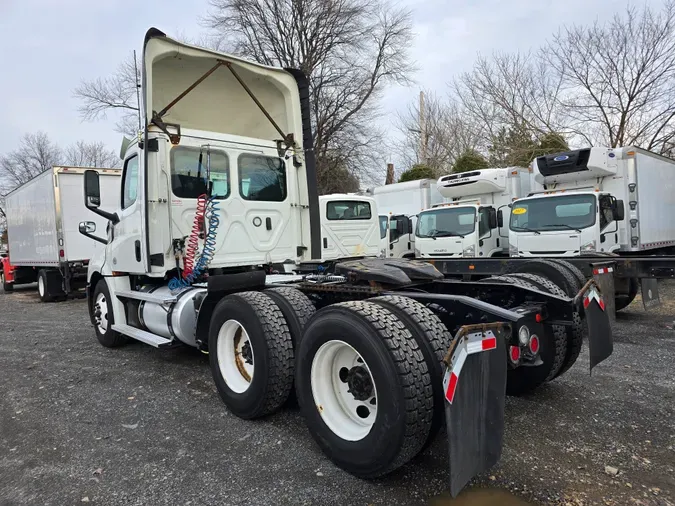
x=44, y=241
x=398, y=205
x=597, y=200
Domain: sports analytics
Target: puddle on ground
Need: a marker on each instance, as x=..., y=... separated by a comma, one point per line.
x=479, y=497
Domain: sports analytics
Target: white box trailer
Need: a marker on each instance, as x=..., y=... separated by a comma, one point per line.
x=398, y=205
x=607, y=200
x=44, y=241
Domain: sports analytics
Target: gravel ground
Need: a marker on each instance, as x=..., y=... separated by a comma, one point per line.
x=80, y=423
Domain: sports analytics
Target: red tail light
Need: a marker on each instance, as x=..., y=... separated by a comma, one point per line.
x=534, y=344
x=62, y=253
x=514, y=354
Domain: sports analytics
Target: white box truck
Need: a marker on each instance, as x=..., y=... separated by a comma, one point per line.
x=474, y=220
x=597, y=200
x=398, y=205
x=45, y=244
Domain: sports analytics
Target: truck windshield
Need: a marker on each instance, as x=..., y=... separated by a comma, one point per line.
x=446, y=222
x=564, y=212
x=384, y=221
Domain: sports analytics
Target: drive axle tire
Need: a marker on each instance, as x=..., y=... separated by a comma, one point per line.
x=433, y=340
x=251, y=354
x=553, y=346
x=103, y=319
x=364, y=388
x=296, y=308
x=575, y=336
x=576, y=272
x=552, y=271
x=623, y=301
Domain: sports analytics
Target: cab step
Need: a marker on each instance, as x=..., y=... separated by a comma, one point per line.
x=143, y=336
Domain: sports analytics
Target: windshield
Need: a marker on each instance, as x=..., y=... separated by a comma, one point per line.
x=446, y=222
x=563, y=212
x=383, y=226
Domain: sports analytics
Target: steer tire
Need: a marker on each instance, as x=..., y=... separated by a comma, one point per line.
x=433, y=340
x=575, y=336
x=109, y=338
x=553, y=346
x=43, y=287
x=270, y=383
x=402, y=386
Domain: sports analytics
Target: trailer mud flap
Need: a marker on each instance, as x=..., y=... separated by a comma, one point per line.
x=650, y=293
x=475, y=392
x=600, y=340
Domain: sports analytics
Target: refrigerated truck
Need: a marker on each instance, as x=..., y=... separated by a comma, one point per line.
x=44, y=242
x=597, y=200
x=398, y=205
x=473, y=222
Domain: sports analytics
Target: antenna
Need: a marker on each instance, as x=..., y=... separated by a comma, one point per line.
x=138, y=93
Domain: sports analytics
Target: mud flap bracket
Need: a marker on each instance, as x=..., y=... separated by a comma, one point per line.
x=475, y=391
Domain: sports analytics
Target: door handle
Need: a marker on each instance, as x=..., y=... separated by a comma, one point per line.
x=325, y=242
x=137, y=245
x=268, y=223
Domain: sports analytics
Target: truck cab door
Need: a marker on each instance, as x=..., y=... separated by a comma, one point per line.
x=127, y=251
x=609, y=227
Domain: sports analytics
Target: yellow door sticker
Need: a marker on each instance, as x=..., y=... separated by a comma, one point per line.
x=519, y=210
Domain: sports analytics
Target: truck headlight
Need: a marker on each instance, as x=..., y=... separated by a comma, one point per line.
x=589, y=247
x=469, y=252
x=513, y=250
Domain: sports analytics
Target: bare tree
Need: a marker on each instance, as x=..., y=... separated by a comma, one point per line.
x=35, y=154
x=90, y=154
x=618, y=78
x=116, y=92
x=447, y=132
x=349, y=50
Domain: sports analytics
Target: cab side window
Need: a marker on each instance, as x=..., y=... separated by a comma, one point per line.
x=484, y=223
x=130, y=182
x=606, y=214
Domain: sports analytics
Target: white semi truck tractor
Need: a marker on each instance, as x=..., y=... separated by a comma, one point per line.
x=381, y=353
x=471, y=223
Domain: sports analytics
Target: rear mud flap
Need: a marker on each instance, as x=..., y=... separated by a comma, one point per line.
x=600, y=340
x=475, y=392
x=650, y=293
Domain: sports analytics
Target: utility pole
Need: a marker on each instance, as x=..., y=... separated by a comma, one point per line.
x=424, y=139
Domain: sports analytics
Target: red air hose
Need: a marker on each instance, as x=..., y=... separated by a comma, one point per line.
x=193, y=239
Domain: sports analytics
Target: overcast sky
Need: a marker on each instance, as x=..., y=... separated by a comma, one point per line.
x=48, y=46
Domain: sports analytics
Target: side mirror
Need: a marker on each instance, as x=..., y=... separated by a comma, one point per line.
x=618, y=210
x=492, y=218
x=500, y=219
x=87, y=227
x=92, y=189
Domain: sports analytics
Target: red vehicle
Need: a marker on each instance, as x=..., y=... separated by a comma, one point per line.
x=6, y=272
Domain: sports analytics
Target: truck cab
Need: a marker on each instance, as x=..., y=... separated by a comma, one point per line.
x=471, y=222
x=349, y=226
x=397, y=238
x=573, y=210
x=564, y=224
